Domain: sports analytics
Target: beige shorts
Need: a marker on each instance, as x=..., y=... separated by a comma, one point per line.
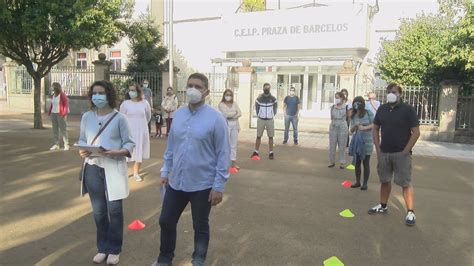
x=397, y=165
x=269, y=125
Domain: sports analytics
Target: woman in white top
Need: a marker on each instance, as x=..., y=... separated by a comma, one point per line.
x=138, y=113
x=169, y=106
x=231, y=112
x=104, y=177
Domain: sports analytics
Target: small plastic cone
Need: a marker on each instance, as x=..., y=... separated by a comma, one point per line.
x=136, y=225
x=333, y=261
x=346, y=213
x=347, y=183
x=256, y=158
x=233, y=170
x=350, y=167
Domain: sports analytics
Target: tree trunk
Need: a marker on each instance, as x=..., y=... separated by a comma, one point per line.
x=38, y=120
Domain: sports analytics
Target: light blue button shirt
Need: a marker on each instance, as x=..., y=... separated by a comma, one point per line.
x=198, y=153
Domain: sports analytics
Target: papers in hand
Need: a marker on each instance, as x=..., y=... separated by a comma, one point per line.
x=162, y=192
x=91, y=148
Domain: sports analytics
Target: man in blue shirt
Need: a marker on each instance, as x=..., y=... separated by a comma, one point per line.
x=292, y=109
x=196, y=168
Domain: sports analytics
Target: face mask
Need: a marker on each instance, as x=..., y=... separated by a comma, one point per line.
x=357, y=106
x=392, y=98
x=133, y=94
x=228, y=98
x=194, y=95
x=292, y=93
x=145, y=85
x=52, y=92
x=337, y=101
x=100, y=100
x=266, y=92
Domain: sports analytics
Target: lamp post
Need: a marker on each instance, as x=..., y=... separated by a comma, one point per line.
x=170, y=43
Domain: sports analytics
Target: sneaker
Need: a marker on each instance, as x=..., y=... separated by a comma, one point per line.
x=254, y=154
x=99, y=258
x=331, y=165
x=271, y=156
x=296, y=142
x=378, y=209
x=54, y=148
x=363, y=187
x=155, y=263
x=410, y=219
x=138, y=178
x=285, y=142
x=66, y=148
x=355, y=185
x=113, y=259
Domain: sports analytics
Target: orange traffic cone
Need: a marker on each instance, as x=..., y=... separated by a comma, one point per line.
x=256, y=158
x=136, y=225
x=347, y=183
x=233, y=170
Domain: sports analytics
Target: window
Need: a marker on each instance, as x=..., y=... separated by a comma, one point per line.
x=81, y=60
x=116, y=59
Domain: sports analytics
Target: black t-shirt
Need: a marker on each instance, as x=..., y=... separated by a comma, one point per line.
x=396, y=123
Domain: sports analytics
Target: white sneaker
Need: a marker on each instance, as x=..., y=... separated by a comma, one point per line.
x=66, y=148
x=99, y=258
x=138, y=178
x=113, y=259
x=410, y=220
x=54, y=148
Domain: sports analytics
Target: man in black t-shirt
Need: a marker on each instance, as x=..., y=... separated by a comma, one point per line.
x=399, y=126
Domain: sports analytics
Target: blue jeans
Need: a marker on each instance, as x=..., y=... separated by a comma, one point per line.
x=173, y=205
x=293, y=119
x=108, y=215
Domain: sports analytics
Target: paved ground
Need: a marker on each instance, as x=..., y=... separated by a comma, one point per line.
x=281, y=212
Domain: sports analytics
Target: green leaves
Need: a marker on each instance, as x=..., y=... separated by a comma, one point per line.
x=431, y=48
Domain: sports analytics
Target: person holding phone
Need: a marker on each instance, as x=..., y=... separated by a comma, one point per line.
x=105, y=177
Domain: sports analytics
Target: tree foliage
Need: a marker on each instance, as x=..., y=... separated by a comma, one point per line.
x=39, y=34
x=431, y=48
x=253, y=5
x=147, y=53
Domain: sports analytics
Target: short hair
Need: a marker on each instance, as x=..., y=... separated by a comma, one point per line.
x=145, y=80
x=110, y=92
x=137, y=87
x=394, y=85
x=170, y=88
x=292, y=88
x=56, y=85
x=266, y=84
x=226, y=91
x=201, y=77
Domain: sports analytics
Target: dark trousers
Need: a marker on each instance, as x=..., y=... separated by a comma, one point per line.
x=358, y=170
x=108, y=215
x=173, y=205
x=168, y=125
x=158, y=129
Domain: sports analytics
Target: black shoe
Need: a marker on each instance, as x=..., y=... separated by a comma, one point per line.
x=254, y=154
x=356, y=184
x=342, y=167
x=296, y=142
x=271, y=156
x=363, y=187
x=284, y=142
x=331, y=165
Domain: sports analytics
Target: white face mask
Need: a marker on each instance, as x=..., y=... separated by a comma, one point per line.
x=194, y=95
x=292, y=93
x=392, y=98
x=337, y=101
x=145, y=85
x=132, y=94
x=228, y=98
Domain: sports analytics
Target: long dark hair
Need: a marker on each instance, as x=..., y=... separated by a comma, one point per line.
x=137, y=87
x=110, y=92
x=223, y=95
x=361, y=101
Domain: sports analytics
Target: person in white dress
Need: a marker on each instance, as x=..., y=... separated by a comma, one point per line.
x=169, y=106
x=138, y=113
x=231, y=112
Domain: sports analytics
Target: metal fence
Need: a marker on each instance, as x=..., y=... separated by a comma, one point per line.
x=424, y=99
x=218, y=83
x=74, y=81
x=22, y=82
x=465, y=110
x=154, y=79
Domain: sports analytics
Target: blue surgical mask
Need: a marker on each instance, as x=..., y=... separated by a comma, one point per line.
x=133, y=94
x=100, y=100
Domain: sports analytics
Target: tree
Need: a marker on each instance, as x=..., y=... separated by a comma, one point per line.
x=147, y=53
x=431, y=48
x=253, y=5
x=40, y=34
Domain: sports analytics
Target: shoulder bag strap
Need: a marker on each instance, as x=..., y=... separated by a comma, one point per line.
x=103, y=128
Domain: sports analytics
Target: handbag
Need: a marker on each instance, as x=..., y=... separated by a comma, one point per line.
x=81, y=172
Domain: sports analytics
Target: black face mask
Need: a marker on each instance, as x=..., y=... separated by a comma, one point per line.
x=266, y=91
x=357, y=106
